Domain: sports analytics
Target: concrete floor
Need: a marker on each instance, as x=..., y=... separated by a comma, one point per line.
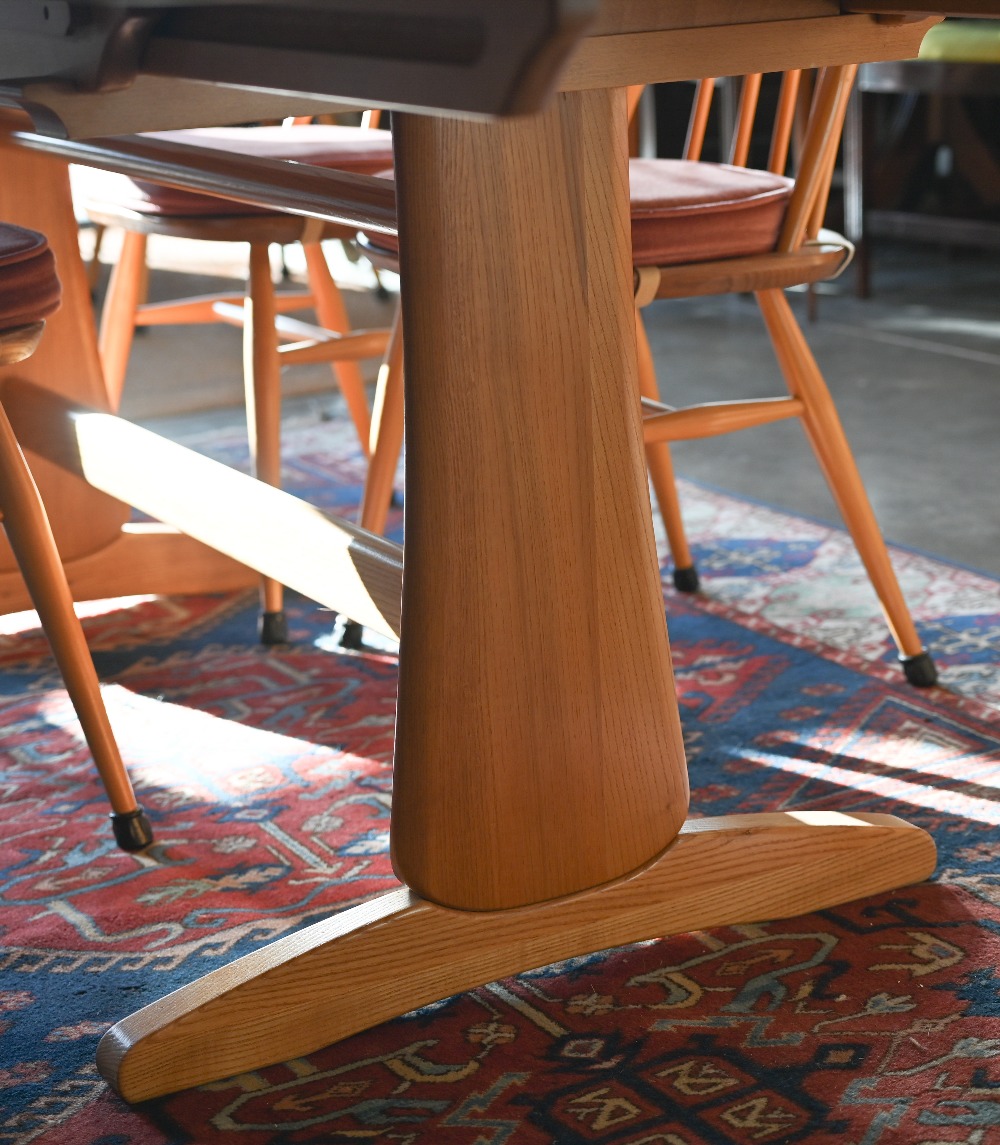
x=915, y=372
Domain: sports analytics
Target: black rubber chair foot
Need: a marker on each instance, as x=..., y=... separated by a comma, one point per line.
x=352, y=635
x=920, y=670
x=132, y=829
x=686, y=580
x=273, y=628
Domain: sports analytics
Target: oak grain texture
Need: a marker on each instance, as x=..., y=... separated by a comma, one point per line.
x=691, y=52
x=538, y=746
x=397, y=952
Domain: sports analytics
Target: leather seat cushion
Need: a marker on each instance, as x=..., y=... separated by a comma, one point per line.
x=362, y=152
x=29, y=286
x=686, y=212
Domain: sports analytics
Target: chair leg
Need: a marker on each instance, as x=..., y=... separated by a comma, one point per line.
x=826, y=435
x=386, y=439
x=661, y=473
x=386, y=444
x=262, y=380
x=94, y=266
x=333, y=316
x=31, y=539
x=125, y=290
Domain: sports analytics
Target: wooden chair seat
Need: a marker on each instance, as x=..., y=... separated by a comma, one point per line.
x=685, y=212
x=29, y=287
x=815, y=261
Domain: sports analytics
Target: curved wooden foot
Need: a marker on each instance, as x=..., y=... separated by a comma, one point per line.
x=398, y=952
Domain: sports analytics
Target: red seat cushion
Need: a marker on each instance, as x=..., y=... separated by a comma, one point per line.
x=29, y=287
x=363, y=152
x=684, y=212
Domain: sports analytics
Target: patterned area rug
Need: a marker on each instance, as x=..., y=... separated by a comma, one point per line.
x=267, y=776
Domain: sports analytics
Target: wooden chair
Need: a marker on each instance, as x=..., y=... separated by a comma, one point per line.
x=271, y=339
x=702, y=229
x=29, y=293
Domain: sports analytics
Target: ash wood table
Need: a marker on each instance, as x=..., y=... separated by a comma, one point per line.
x=540, y=781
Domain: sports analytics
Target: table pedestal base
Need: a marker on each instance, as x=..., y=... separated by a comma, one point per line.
x=397, y=952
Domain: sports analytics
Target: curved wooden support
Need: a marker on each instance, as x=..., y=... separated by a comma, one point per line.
x=398, y=952
x=538, y=745
x=711, y=419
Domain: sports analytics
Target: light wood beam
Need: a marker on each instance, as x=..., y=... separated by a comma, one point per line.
x=775, y=45
x=326, y=559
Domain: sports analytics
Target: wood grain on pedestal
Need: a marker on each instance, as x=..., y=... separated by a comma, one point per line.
x=538, y=746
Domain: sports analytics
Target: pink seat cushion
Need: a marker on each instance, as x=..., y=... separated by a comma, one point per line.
x=29, y=287
x=362, y=152
x=684, y=212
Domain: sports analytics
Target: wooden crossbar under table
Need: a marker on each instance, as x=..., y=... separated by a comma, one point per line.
x=540, y=782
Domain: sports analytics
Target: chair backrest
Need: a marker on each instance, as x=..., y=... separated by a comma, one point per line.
x=810, y=111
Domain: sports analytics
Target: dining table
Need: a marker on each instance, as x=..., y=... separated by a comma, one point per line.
x=540, y=804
